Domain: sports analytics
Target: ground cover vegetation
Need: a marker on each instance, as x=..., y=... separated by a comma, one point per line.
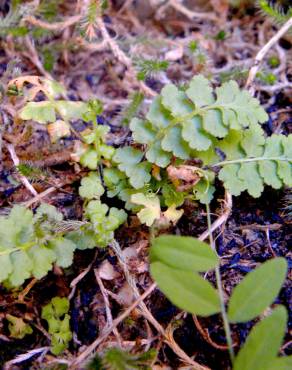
x=146, y=181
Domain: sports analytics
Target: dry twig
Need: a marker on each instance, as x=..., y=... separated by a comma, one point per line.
x=85, y=354
x=22, y=178
x=222, y=219
x=107, y=305
x=58, y=26
x=262, y=53
x=177, y=5
x=24, y=357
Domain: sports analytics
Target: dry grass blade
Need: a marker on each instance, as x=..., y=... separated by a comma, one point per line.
x=58, y=26
x=24, y=357
x=22, y=178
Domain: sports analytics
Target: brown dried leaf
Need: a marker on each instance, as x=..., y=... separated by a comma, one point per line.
x=106, y=271
x=183, y=177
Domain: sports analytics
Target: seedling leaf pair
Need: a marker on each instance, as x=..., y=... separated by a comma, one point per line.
x=175, y=263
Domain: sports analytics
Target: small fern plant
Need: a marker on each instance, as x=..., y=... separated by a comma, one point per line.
x=31, y=243
x=58, y=319
x=194, y=134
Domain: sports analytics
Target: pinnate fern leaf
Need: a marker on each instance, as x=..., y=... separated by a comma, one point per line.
x=179, y=122
x=25, y=248
x=253, y=161
x=130, y=162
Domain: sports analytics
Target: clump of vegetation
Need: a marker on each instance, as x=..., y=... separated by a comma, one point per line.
x=58, y=319
x=152, y=129
x=116, y=359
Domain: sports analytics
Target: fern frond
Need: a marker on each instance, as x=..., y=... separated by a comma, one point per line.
x=31, y=243
x=25, y=251
x=179, y=122
x=254, y=161
x=202, y=123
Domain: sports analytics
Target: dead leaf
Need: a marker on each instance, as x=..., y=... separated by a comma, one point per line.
x=172, y=214
x=129, y=253
x=126, y=295
x=106, y=271
x=183, y=177
x=58, y=129
x=175, y=54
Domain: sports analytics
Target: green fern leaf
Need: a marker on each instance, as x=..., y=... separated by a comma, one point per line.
x=179, y=122
x=155, y=154
x=91, y=186
x=254, y=161
x=142, y=131
x=129, y=161
x=194, y=134
x=173, y=142
x=151, y=210
x=42, y=112
x=200, y=92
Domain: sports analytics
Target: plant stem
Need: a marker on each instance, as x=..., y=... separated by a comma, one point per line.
x=255, y=159
x=220, y=291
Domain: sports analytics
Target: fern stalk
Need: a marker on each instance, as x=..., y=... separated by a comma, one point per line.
x=256, y=159
x=221, y=293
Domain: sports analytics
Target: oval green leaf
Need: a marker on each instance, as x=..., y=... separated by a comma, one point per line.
x=257, y=290
x=187, y=290
x=263, y=343
x=281, y=363
x=183, y=253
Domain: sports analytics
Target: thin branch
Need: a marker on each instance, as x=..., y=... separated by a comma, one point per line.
x=33, y=56
x=109, y=316
x=24, y=357
x=205, y=334
x=39, y=197
x=221, y=293
x=22, y=178
x=58, y=26
x=264, y=50
x=177, y=5
x=121, y=56
x=85, y=354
